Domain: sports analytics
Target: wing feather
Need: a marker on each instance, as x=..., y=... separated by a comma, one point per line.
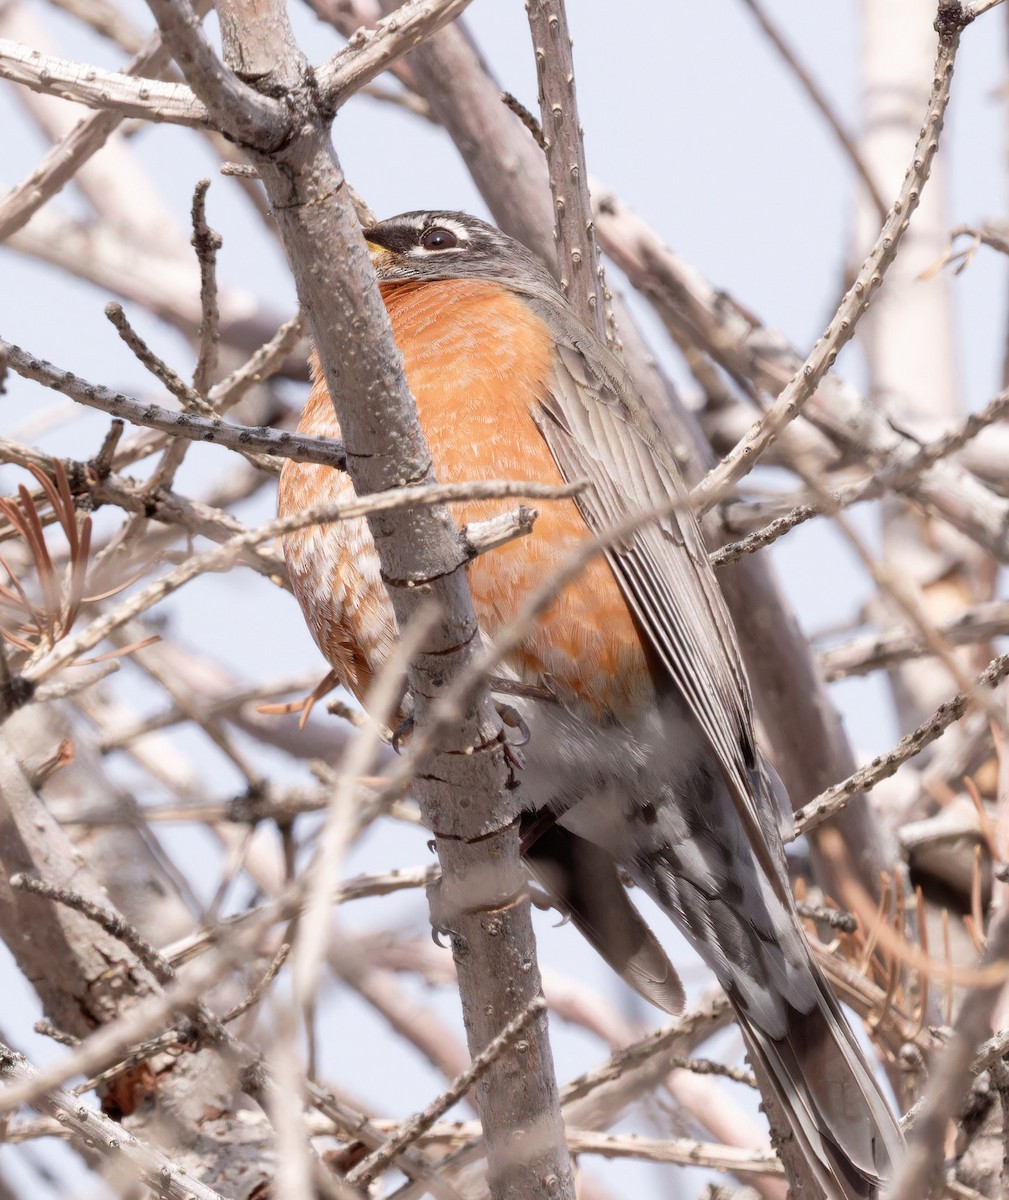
x=595, y=432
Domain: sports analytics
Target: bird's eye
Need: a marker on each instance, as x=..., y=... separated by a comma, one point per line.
x=439, y=239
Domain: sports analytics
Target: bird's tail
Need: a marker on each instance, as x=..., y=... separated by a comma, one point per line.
x=830, y=1097
x=698, y=861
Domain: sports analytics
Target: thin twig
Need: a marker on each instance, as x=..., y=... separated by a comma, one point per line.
x=90, y=1129
x=259, y=991
x=206, y=242
x=574, y=234
x=741, y=459
x=260, y=366
x=832, y=917
x=66, y=157
x=356, y=1125
x=820, y=102
x=105, y=918
x=296, y=446
x=376, y=1162
x=889, y=648
x=761, y=538
x=956, y=439
x=48, y=1029
x=369, y=52
x=836, y=797
x=679, y=1151
x=707, y=1066
x=683, y=1151
x=161, y=371
x=361, y=887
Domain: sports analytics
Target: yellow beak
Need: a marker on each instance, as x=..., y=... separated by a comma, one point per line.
x=381, y=256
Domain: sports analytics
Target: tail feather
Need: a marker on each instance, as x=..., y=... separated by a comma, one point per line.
x=659, y=806
x=695, y=860
x=831, y=1099
x=585, y=882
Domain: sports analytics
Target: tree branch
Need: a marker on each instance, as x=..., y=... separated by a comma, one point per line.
x=90, y=1130
x=881, y=651
x=66, y=157
x=819, y=100
x=240, y=111
x=574, y=236
x=127, y=96
x=740, y=461
x=369, y=52
x=835, y=798
x=477, y=843
x=296, y=446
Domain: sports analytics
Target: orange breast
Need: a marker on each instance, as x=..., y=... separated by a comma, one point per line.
x=477, y=360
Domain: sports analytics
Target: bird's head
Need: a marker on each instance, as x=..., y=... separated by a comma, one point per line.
x=426, y=246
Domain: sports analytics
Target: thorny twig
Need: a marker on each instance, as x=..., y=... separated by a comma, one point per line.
x=836, y=797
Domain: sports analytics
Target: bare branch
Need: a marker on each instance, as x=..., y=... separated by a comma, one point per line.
x=408, y=1133
x=761, y=538
x=842, y=326
x=577, y=254
x=92, y=1130
x=206, y=242
x=205, y=429
x=819, y=99
x=234, y=107
x=161, y=371
x=951, y=1075
x=369, y=52
x=836, y=797
x=261, y=365
x=62, y=162
x=879, y=652
x=126, y=95
x=428, y=1178
x=685, y=1151
x=105, y=918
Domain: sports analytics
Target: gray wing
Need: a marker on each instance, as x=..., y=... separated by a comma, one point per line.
x=584, y=881
x=590, y=425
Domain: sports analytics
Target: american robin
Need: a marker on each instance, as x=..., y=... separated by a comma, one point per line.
x=641, y=752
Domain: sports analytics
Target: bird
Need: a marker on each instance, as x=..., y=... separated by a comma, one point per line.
x=641, y=756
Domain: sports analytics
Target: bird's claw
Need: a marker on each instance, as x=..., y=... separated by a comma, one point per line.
x=511, y=718
x=401, y=734
x=442, y=936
